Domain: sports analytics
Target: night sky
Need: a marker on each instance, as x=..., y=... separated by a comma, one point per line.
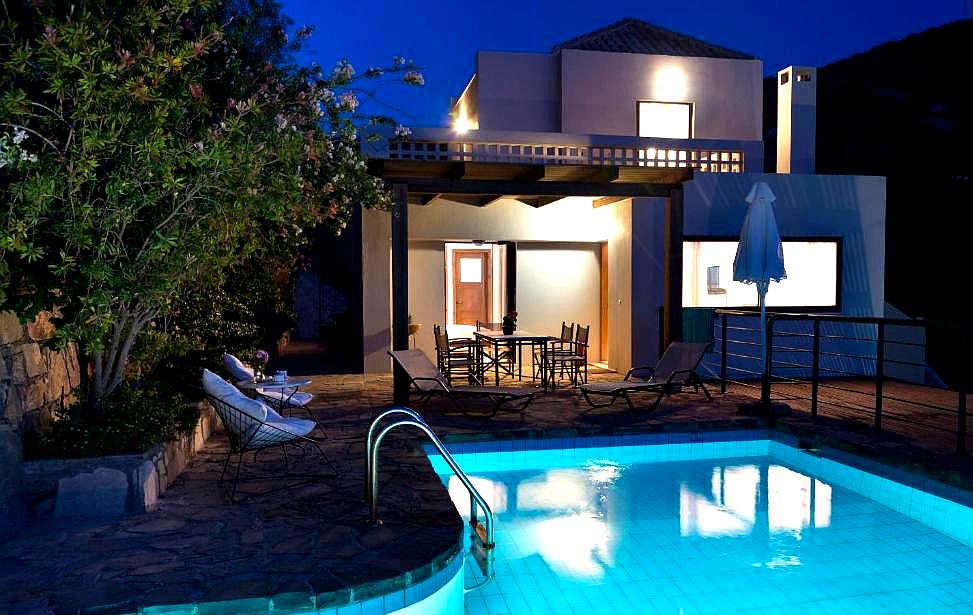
x=443, y=36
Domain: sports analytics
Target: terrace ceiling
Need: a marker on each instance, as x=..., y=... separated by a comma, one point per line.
x=481, y=183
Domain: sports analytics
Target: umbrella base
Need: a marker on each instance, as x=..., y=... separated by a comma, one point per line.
x=758, y=408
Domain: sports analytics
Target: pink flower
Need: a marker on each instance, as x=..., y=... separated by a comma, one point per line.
x=413, y=77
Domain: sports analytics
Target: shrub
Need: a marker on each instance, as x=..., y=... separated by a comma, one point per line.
x=135, y=420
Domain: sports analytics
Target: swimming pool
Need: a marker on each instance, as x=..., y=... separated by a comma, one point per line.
x=748, y=525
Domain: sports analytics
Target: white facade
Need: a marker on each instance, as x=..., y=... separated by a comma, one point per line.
x=596, y=93
x=605, y=266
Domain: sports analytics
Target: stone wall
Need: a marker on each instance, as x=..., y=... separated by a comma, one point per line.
x=114, y=484
x=34, y=381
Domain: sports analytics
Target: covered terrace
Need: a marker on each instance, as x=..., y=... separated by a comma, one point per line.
x=422, y=183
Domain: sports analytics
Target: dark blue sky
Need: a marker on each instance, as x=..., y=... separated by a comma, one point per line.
x=443, y=36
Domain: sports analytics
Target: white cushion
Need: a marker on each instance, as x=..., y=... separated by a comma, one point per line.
x=226, y=392
x=284, y=429
x=298, y=399
x=237, y=368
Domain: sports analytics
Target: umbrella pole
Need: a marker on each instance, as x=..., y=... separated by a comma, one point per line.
x=765, y=371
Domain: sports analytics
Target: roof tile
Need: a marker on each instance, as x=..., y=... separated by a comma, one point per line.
x=636, y=36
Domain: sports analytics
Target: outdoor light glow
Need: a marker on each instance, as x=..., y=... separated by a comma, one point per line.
x=464, y=124
x=670, y=83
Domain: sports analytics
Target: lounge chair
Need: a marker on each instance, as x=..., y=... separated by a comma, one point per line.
x=675, y=371
x=252, y=426
x=280, y=398
x=427, y=382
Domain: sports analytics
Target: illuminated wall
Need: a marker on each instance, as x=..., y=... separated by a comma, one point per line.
x=558, y=260
x=594, y=92
x=599, y=91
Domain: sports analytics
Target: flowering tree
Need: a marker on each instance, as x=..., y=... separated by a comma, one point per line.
x=146, y=147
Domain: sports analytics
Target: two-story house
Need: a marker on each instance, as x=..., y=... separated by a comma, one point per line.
x=604, y=183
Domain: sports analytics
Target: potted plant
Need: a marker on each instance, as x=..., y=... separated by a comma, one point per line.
x=510, y=323
x=414, y=327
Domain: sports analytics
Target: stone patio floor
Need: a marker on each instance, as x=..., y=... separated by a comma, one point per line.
x=309, y=543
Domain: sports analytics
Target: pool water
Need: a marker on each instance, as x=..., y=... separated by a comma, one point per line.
x=635, y=530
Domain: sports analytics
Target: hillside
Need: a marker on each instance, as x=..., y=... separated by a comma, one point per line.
x=903, y=110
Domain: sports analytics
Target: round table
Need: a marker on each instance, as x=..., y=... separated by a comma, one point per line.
x=291, y=383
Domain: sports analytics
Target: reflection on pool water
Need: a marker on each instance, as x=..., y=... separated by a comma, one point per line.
x=611, y=534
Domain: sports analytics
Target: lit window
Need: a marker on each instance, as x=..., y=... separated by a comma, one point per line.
x=812, y=275
x=470, y=270
x=665, y=120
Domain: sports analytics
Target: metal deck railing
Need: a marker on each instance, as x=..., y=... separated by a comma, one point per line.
x=845, y=363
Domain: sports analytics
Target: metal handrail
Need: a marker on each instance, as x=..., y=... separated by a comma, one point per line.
x=371, y=432
x=416, y=421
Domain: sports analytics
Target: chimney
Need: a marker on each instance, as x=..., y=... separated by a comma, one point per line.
x=796, y=119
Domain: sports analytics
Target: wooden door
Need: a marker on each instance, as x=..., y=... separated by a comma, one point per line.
x=472, y=289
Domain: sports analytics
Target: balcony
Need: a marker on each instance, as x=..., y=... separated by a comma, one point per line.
x=703, y=156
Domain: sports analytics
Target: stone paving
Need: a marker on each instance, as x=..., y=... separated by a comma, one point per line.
x=302, y=546
x=309, y=544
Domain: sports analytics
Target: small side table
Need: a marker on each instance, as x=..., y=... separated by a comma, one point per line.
x=294, y=384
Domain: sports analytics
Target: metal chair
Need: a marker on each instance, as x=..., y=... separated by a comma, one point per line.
x=252, y=426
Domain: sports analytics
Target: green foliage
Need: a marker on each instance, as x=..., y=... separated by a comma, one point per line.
x=162, y=146
x=131, y=421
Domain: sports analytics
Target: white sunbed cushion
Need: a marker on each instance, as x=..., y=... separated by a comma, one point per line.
x=299, y=399
x=226, y=392
x=237, y=368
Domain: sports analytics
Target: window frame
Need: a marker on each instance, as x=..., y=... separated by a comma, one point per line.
x=638, y=116
x=823, y=309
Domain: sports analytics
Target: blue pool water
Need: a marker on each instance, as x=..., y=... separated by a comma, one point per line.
x=733, y=527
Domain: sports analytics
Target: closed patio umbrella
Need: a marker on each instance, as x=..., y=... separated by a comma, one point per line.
x=760, y=255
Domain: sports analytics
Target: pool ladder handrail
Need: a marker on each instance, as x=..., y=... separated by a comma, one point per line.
x=372, y=445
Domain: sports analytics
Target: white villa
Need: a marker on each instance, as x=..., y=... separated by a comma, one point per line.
x=603, y=183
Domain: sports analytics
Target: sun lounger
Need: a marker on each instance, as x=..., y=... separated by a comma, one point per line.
x=675, y=371
x=427, y=381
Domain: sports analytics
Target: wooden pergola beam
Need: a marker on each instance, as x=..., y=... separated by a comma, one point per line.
x=421, y=199
x=607, y=200
x=477, y=200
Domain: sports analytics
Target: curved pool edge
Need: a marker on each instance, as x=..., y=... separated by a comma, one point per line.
x=434, y=583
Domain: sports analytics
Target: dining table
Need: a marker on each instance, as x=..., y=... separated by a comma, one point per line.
x=497, y=339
